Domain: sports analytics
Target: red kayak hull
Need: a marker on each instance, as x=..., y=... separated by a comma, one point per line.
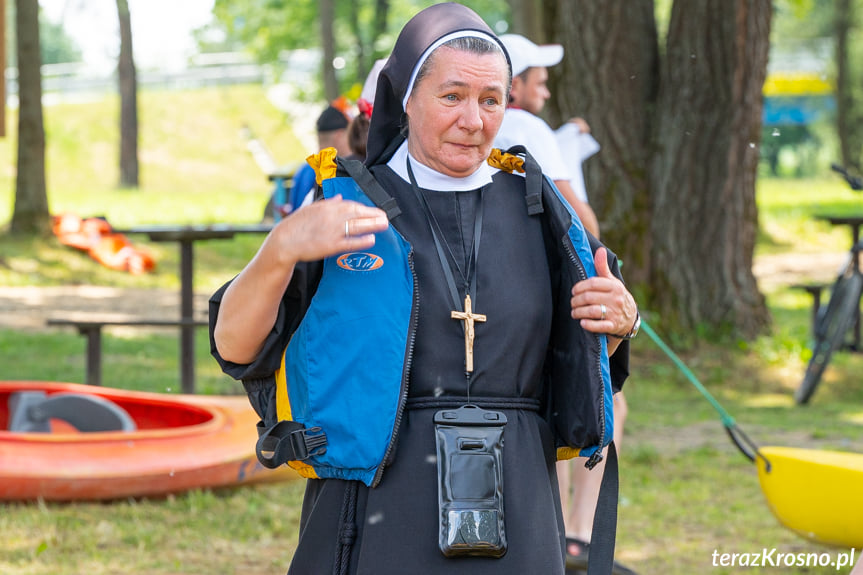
x=182, y=442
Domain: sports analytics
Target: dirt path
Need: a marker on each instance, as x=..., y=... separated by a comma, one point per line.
x=29, y=307
x=675, y=440
x=779, y=270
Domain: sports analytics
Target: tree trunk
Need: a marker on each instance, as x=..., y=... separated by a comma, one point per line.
x=3, y=39
x=674, y=184
x=379, y=28
x=362, y=57
x=328, y=43
x=128, y=101
x=30, y=214
x=846, y=119
x=527, y=19
x=705, y=219
x=382, y=11
x=609, y=77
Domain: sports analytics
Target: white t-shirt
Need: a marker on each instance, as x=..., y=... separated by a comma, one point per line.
x=521, y=127
x=576, y=146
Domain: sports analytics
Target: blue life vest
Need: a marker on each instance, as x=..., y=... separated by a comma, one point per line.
x=342, y=370
x=341, y=387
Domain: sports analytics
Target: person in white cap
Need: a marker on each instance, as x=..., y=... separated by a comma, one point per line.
x=521, y=124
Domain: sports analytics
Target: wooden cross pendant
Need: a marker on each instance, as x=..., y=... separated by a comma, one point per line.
x=468, y=317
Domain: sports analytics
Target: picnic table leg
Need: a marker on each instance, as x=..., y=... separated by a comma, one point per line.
x=187, y=313
x=94, y=352
x=816, y=306
x=855, y=238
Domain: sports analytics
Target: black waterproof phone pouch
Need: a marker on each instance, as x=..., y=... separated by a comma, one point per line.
x=470, y=481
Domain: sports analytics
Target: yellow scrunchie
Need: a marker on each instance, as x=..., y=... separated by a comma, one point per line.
x=505, y=162
x=324, y=164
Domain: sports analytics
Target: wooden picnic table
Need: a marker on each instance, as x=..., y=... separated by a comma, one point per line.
x=186, y=236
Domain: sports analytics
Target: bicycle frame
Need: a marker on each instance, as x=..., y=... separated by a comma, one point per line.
x=842, y=311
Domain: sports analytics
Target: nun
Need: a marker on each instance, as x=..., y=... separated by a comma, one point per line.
x=454, y=320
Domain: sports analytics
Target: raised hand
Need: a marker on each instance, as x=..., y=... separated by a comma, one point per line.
x=326, y=228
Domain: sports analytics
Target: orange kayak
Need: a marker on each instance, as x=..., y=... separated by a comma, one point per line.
x=98, y=238
x=167, y=444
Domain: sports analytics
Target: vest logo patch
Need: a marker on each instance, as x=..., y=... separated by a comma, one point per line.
x=360, y=262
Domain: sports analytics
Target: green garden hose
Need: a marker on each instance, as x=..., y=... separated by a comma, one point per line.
x=740, y=439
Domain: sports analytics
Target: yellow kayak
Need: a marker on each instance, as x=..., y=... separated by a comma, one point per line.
x=817, y=494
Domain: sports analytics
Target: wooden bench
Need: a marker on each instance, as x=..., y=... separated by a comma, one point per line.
x=92, y=330
x=813, y=289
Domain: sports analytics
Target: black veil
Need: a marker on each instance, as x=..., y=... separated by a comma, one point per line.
x=418, y=35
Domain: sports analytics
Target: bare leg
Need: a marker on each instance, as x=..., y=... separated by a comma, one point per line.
x=858, y=569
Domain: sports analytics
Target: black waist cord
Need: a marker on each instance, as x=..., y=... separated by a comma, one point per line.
x=347, y=530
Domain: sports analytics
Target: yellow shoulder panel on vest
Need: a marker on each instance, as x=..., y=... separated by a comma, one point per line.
x=283, y=412
x=505, y=162
x=564, y=453
x=324, y=164
x=283, y=404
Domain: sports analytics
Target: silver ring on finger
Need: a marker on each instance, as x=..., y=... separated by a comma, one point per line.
x=347, y=229
x=602, y=311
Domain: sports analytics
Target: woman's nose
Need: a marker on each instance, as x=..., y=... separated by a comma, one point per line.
x=470, y=118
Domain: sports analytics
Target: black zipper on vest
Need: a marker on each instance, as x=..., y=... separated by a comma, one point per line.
x=594, y=459
x=409, y=355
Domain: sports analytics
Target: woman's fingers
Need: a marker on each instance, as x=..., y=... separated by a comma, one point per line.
x=603, y=305
x=369, y=224
x=330, y=227
x=598, y=318
x=589, y=292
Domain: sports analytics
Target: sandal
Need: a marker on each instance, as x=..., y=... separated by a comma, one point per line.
x=577, y=554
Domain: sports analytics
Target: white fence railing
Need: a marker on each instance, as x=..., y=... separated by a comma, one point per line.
x=204, y=70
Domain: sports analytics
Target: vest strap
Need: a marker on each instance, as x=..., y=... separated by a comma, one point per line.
x=533, y=177
x=602, y=540
x=370, y=187
x=288, y=441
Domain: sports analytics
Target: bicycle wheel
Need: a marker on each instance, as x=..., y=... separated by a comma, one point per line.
x=830, y=331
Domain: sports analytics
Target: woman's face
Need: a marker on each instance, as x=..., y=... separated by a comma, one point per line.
x=455, y=111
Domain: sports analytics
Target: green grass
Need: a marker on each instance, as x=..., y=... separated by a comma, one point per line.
x=190, y=148
x=685, y=490
x=250, y=532
x=194, y=169
x=129, y=360
x=787, y=211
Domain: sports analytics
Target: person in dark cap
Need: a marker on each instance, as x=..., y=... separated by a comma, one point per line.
x=332, y=132
x=332, y=129
x=331, y=120
x=424, y=340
